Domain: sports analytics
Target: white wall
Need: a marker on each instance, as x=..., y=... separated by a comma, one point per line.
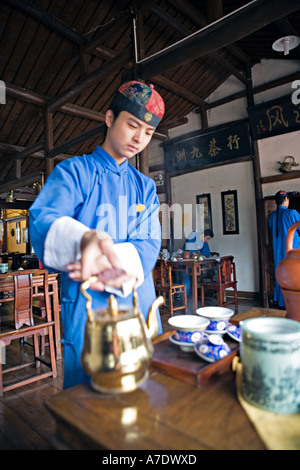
x=272, y=151
x=242, y=246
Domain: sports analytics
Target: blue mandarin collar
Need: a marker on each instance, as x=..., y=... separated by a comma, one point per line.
x=109, y=162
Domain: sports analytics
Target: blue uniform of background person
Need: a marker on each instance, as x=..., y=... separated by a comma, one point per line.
x=286, y=217
x=80, y=188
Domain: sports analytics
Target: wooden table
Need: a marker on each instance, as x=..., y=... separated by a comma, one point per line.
x=7, y=285
x=165, y=413
x=193, y=269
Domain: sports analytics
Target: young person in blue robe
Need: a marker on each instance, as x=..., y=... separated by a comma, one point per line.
x=96, y=213
x=279, y=222
x=198, y=244
x=205, y=250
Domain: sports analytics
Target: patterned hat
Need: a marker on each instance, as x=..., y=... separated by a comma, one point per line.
x=281, y=193
x=140, y=100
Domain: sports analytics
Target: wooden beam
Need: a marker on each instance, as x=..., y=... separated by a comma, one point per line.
x=41, y=100
x=27, y=152
x=120, y=60
x=280, y=177
x=10, y=148
x=18, y=183
x=185, y=33
x=198, y=19
x=98, y=130
x=18, y=204
x=48, y=20
x=237, y=25
x=107, y=31
x=178, y=90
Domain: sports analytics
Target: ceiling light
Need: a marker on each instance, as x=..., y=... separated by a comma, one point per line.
x=286, y=44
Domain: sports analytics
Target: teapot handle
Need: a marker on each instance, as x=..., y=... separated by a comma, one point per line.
x=290, y=236
x=84, y=286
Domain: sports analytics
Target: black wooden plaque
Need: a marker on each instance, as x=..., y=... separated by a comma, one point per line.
x=212, y=148
x=274, y=117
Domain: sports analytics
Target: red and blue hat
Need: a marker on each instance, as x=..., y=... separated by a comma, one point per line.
x=141, y=100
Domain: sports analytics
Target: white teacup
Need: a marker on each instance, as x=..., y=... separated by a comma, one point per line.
x=218, y=318
x=188, y=328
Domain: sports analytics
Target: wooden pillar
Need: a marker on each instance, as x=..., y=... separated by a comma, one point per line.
x=144, y=162
x=48, y=145
x=258, y=194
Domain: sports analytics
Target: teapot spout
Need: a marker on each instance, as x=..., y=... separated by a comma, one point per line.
x=152, y=323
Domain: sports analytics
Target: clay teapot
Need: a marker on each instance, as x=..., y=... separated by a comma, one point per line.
x=288, y=276
x=286, y=166
x=117, y=346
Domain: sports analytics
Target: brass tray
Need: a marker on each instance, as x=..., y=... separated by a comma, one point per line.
x=169, y=359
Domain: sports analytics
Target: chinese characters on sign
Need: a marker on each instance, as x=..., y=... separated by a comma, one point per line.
x=274, y=117
x=208, y=149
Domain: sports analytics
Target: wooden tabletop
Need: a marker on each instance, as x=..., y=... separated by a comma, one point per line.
x=163, y=414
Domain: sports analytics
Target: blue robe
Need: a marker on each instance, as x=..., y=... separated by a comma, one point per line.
x=286, y=218
x=205, y=251
x=83, y=188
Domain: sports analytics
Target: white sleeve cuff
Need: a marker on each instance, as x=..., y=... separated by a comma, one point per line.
x=62, y=244
x=131, y=263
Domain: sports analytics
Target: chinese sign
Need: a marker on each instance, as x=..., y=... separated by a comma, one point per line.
x=210, y=148
x=274, y=117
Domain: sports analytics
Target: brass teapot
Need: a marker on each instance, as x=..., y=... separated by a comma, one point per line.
x=286, y=166
x=117, y=346
x=287, y=275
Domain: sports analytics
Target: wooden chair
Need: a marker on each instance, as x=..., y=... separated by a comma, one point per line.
x=24, y=325
x=225, y=279
x=163, y=282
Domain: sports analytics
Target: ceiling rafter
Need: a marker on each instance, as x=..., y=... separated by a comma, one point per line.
x=185, y=33
x=246, y=20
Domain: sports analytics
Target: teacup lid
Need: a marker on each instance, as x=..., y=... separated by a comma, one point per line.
x=216, y=340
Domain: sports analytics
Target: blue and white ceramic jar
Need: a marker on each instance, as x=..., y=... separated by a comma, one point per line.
x=270, y=354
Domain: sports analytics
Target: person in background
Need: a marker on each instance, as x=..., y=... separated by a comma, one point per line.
x=197, y=244
x=97, y=215
x=279, y=222
x=193, y=242
x=205, y=250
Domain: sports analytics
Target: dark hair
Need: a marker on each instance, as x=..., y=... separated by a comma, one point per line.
x=208, y=233
x=116, y=111
x=280, y=197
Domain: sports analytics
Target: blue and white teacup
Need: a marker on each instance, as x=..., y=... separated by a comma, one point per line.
x=218, y=317
x=212, y=348
x=188, y=328
x=234, y=331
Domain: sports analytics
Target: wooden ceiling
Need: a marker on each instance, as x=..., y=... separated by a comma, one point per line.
x=61, y=62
